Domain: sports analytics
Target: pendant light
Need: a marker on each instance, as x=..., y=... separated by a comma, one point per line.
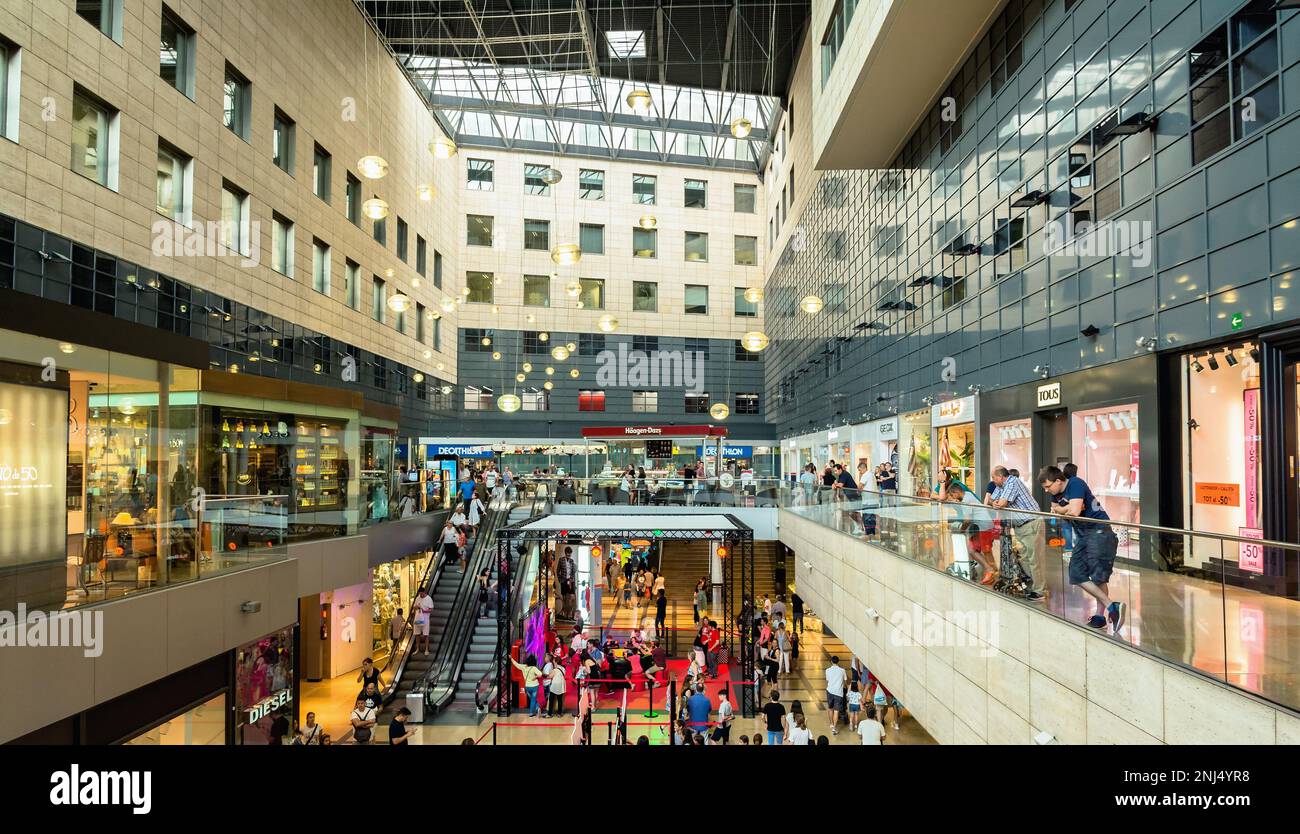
x=741, y=128
x=754, y=295
x=372, y=167
x=447, y=305
x=719, y=411
x=648, y=222
x=375, y=208
x=509, y=403
x=607, y=323
x=443, y=148
x=811, y=304
x=639, y=101
x=559, y=353
x=754, y=341
x=400, y=302
x=573, y=289
x=552, y=176
x=575, y=373
x=566, y=254
x=528, y=367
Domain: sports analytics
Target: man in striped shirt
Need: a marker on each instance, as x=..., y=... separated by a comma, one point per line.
x=1011, y=492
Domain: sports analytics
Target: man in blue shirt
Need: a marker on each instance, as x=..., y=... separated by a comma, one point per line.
x=698, y=707
x=466, y=489
x=1095, y=544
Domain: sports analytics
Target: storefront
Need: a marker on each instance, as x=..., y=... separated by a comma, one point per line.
x=382, y=485
x=266, y=687
x=660, y=450
x=915, y=476
x=394, y=585
x=1104, y=420
x=953, y=441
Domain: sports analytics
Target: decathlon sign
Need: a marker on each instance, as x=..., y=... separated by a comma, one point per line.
x=727, y=451
x=458, y=451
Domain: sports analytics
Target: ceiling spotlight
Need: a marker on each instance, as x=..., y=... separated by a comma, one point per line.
x=375, y=208
x=442, y=148
x=1254, y=354
x=741, y=128
x=372, y=167
x=639, y=101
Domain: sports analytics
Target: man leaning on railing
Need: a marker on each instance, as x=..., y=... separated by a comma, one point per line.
x=1011, y=492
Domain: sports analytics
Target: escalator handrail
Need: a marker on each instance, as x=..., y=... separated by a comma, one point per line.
x=485, y=689
x=428, y=581
x=459, y=624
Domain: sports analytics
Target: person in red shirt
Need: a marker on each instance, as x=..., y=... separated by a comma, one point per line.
x=712, y=639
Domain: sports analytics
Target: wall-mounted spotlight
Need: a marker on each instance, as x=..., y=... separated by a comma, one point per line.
x=1091, y=331
x=1030, y=199
x=975, y=389
x=928, y=400
x=1230, y=356
x=1043, y=371
x=1147, y=342
x=1197, y=366
x=1214, y=363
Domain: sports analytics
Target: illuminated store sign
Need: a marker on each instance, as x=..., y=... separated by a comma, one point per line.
x=33, y=474
x=269, y=705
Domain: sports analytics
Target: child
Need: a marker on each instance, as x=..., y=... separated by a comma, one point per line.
x=855, y=705
x=744, y=740
x=794, y=647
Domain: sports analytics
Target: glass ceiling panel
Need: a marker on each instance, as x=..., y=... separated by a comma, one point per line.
x=502, y=105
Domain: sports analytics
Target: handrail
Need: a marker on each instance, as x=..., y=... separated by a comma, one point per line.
x=459, y=625
x=402, y=653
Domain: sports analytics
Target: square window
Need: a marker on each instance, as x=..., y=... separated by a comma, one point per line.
x=479, y=174
x=645, y=296
x=699, y=346
x=479, y=229
x=697, y=300
x=747, y=403
x=534, y=399
x=645, y=242
x=478, y=399
x=473, y=340
x=697, y=246
x=104, y=15
x=537, y=235
x=645, y=402
x=746, y=199
x=644, y=189
x=592, y=294
x=696, y=194
x=591, y=237
x=591, y=400
x=380, y=228
x=534, y=182
x=740, y=354
x=645, y=344
x=480, y=287
x=697, y=404
x=590, y=344
x=591, y=184
x=746, y=251
x=744, y=307
x=352, y=279
x=235, y=222
x=537, y=291
x=437, y=269
x=421, y=256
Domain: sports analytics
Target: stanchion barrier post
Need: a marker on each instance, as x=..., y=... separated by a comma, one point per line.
x=609, y=733
x=672, y=712
x=494, y=734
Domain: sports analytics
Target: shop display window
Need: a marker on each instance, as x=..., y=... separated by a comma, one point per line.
x=914, y=474
x=381, y=490
x=1105, y=446
x=955, y=451
x=204, y=724
x=394, y=587
x=264, y=687
x=1011, y=445
x=1221, y=450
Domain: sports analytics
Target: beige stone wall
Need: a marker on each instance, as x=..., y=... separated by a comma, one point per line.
x=794, y=155
x=302, y=56
x=510, y=206
x=1016, y=674
x=859, y=39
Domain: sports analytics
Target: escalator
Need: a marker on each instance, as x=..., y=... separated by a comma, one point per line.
x=440, y=684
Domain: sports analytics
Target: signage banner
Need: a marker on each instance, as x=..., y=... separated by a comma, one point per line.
x=1218, y=495
x=1049, y=395
x=1251, y=398
x=727, y=451
x=887, y=429
x=460, y=451
x=1251, y=556
x=654, y=431
x=953, y=412
x=34, y=431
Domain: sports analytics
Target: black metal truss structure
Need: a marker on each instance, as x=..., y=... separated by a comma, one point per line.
x=737, y=566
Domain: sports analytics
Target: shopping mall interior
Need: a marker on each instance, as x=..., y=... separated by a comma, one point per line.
x=649, y=372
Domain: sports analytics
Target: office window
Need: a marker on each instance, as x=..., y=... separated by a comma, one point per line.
x=353, y=208
x=400, y=324
x=593, y=293
x=176, y=53
x=646, y=402
x=697, y=299
x=480, y=287
x=535, y=399
x=9, y=98
x=645, y=296
x=419, y=322
x=421, y=256
x=537, y=291
x=479, y=175
x=437, y=269
x=320, y=173
x=237, y=99
x=696, y=194
x=473, y=340
x=645, y=242
x=533, y=182
x=591, y=237
x=380, y=228
x=643, y=189
x=700, y=346
x=282, y=136
x=744, y=307
x=104, y=15
x=235, y=222
x=590, y=344
x=175, y=180
x=282, y=245
x=746, y=199
x=478, y=399
x=537, y=235
x=747, y=403
x=94, y=154
x=746, y=251
x=478, y=229
x=696, y=404
x=591, y=400
x=320, y=266
x=402, y=233
x=378, y=298
x=645, y=344
x=739, y=354
x=351, y=289
x=437, y=334
x=697, y=246
x=591, y=184
x=533, y=344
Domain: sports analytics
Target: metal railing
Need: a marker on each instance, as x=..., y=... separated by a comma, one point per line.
x=1222, y=605
x=714, y=491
